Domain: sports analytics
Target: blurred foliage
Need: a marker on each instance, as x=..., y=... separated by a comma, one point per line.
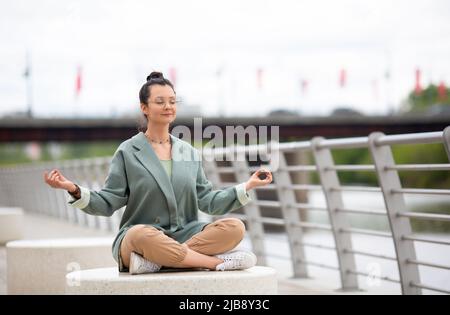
x=355, y=157
x=15, y=153
x=419, y=102
x=418, y=154
x=428, y=225
x=403, y=154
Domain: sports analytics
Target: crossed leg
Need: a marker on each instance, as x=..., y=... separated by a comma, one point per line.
x=216, y=238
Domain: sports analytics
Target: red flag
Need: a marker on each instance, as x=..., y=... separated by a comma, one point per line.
x=173, y=76
x=304, y=86
x=259, y=74
x=418, y=86
x=442, y=91
x=78, y=81
x=342, y=78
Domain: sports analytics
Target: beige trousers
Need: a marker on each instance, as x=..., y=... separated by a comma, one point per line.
x=215, y=238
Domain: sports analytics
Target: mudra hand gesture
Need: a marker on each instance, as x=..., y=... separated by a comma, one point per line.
x=56, y=180
x=261, y=177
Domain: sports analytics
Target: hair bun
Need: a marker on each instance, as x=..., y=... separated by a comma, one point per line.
x=155, y=75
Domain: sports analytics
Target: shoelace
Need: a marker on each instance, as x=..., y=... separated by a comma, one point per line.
x=151, y=265
x=147, y=265
x=234, y=261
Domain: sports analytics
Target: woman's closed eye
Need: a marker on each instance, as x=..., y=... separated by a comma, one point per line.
x=162, y=103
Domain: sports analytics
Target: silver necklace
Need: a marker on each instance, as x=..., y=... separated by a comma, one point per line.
x=158, y=141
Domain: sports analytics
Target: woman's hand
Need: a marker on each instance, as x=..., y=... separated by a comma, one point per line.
x=256, y=181
x=56, y=180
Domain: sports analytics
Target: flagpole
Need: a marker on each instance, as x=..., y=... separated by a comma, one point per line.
x=220, y=96
x=28, y=85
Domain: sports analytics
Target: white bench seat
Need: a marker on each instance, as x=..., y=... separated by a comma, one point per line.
x=40, y=266
x=257, y=280
x=11, y=224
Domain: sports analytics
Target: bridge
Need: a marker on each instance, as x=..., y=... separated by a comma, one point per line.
x=290, y=127
x=331, y=257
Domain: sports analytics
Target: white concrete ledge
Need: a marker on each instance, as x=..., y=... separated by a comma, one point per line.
x=257, y=280
x=11, y=224
x=40, y=266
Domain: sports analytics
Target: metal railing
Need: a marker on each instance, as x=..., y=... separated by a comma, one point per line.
x=24, y=186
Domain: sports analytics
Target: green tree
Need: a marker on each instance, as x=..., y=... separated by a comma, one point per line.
x=417, y=102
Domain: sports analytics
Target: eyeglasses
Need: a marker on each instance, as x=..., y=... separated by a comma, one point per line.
x=162, y=103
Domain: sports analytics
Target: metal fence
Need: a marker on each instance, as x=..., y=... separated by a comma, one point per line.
x=24, y=186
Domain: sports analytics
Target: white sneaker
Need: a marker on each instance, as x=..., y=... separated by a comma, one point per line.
x=236, y=260
x=139, y=265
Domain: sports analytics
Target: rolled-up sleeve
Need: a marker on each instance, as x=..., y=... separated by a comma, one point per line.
x=242, y=194
x=83, y=201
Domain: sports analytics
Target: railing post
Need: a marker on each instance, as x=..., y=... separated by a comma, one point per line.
x=291, y=216
x=338, y=220
x=20, y=190
x=41, y=193
x=87, y=174
x=72, y=215
x=74, y=175
x=104, y=223
x=36, y=183
x=446, y=138
x=8, y=187
x=252, y=211
x=395, y=204
x=15, y=192
x=53, y=201
x=59, y=196
x=30, y=190
x=3, y=185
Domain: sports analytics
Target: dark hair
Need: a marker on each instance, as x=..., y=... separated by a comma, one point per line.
x=154, y=78
x=144, y=94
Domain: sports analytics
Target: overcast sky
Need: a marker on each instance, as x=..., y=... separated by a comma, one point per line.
x=118, y=43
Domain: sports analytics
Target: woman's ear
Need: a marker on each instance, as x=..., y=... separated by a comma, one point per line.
x=144, y=108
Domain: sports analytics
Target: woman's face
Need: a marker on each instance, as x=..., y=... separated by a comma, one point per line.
x=161, y=106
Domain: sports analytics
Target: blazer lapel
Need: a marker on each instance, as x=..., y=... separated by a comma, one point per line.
x=148, y=158
x=180, y=166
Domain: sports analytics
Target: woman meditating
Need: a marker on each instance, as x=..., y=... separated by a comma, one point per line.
x=161, y=181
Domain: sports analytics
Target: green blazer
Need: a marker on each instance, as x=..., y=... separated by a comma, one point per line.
x=137, y=180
